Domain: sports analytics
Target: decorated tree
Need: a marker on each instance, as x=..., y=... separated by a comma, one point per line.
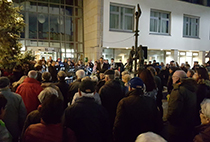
x=11, y=25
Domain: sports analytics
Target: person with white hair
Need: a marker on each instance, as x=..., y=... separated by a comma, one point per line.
x=204, y=129
x=73, y=87
x=149, y=137
x=34, y=116
x=29, y=90
x=182, y=108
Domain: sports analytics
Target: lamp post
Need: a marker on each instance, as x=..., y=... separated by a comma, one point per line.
x=137, y=14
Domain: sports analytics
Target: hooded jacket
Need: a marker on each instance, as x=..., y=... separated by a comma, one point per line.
x=29, y=90
x=182, y=107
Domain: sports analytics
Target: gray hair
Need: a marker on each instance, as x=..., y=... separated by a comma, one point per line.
x=149, y=137
x=116, y=74
x=32, y=74
x=80, y=74
x=126, y=78
x=205, y=107
x=46, y=92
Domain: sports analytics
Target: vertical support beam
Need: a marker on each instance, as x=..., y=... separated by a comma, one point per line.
x=174, y=54
x=201, y=57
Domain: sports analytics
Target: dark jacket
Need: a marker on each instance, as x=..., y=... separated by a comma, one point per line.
x=182, y=108
x=64, y=88
x=204, y=133
x=53, y=71
x=73, y=88
x=104, y=67
x=88, y=120
x=202, y=92
x=111, y=93
x=136, y=114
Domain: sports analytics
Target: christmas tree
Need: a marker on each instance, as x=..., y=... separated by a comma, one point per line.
x=11, y=25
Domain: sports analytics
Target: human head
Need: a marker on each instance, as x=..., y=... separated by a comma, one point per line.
x=126, y=78
x=46, y=76
x=3, y=102
x=148, y=79
x=102, y=76
x=47, y=92
x=94, y=78
x=109, y=75
x=190, y=73
x=38, y=67
x=53, y=63
x=136, y=83
x=125, y=72
x=152, y=70
x=201, y=73
x=87, y=86
x=154, y=61
x=61, y=75
x=205, y=111
x=4, y=82
x=52, y=110
x=101, y=60
x=178, y=75
x=132, y=47
x=117, y=74
x=149, y=137
x=32, y=74
x=80, y=74
x=112, y=60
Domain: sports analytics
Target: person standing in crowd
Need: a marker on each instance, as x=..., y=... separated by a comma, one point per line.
x=53, y=71
x=203, y=130
x=170, y=81
x=101, y=66
x=29, y=90
x=126, y=78
x=149, y=137
x=73, y=87
x=196, y=65
x=15, y=110
x=148, y=79
x=50, y=129
x=182, y=108
x=190, y=73
x=4, y=133
x=63, y=86
x=111, y=93
x=159, y=91
x=203, y=88
x=86, y=118
x=136, y=114
x=112, y=65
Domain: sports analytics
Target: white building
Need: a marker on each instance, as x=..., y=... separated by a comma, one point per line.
x=171, y=29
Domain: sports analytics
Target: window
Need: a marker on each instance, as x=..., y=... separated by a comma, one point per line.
x=121, y=17
x=159, y=22
x=191, y=27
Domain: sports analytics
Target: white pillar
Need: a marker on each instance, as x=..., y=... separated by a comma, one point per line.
x=201, y=57
x=174, y=55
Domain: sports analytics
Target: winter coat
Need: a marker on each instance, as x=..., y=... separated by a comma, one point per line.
x=204, y=133
x=77, y=96
x=64, y=88
x=182, y=108
x=29, y=90
x=202, y=92
x=136, y=114
x=47, y=133
x=53, y=71
x=111, y=93
x=15, y=113
x=88, y=120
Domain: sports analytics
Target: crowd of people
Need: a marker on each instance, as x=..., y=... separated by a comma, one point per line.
x=104, y=103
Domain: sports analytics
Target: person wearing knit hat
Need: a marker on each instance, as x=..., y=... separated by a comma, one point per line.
x=136, y=114
x=15, y=109
x=182, y=108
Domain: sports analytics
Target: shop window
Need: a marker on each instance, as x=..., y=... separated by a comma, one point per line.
x=159, y=22
x=121, y=17
x=191, y=26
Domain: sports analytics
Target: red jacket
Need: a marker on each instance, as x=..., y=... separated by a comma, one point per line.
x=29, y=90
x=47, y=133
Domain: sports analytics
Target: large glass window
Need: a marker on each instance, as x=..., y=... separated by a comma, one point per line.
x=32, y=25
x=191, y=26
x=43, y=26
x=121, y=17
x=159, y=22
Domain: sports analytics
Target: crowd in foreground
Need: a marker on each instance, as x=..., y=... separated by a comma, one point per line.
x=108, y=105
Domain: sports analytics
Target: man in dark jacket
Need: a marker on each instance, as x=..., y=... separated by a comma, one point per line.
x=182, y=108
x=73, y=87
x=136, y=114
x=102, y=66
x=111, y=93
x=86, y=118
x=53, y=71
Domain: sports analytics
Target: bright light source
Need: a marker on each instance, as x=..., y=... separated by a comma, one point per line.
x=126, y=47
x=107, y=47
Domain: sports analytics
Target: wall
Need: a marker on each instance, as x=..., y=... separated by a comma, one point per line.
x=175, y=40
x=92, y=28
